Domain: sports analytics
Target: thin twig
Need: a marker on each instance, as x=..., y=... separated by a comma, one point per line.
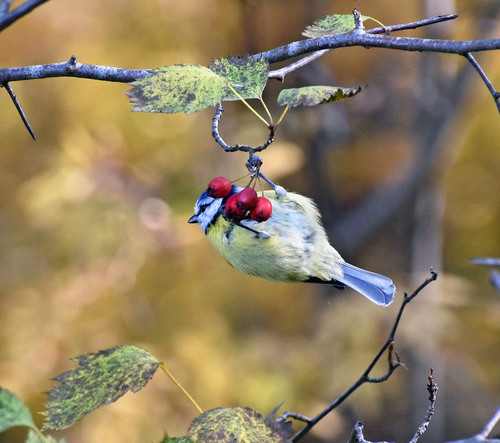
x=4, y=7
x=13, y=96
x=216, y=135
x=365, y=377
x=491, y=424
x=495, y=94
x=358, y=22
x=412, y=25
x=432, y=388
x=280, y=74
x=295, y=415
x=17, y=13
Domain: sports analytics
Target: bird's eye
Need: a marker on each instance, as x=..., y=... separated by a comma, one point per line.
x=203, y=207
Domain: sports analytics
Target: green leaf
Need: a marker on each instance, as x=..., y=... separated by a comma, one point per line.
x=13, y=412
x=237, y=425
x=191, y=88
x=335, y=24
x=247, y=75
x=100, y=379
x=187, y=88
x=314, y=95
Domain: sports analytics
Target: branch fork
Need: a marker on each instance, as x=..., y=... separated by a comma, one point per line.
x=393, y=364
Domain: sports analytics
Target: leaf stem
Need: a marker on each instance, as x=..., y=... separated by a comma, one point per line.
x=248, y=105
x=266, y=109
x=282, y=116
x=176, y=383
x=40, y=434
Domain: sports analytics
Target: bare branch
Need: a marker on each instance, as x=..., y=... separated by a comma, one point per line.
x=367, y=40
x=491, y=424
x=13, y=96
x=295, y=415
x=432, y=388
x=7, y=18
x=495, y=94
x=412, y=25
x=365, y=377
x=280, y=74
x=483, y=436
x=357, y=433
x=245, y=148
x=72, y=68
x=4, y=7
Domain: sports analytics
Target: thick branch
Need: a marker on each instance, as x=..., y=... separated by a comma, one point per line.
x=295, y=49
x=368, y=40
x=72, y=68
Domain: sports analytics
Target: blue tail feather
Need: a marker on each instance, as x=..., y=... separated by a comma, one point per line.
x=377, y=288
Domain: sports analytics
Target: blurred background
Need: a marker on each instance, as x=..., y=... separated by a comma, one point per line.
x=97, y=252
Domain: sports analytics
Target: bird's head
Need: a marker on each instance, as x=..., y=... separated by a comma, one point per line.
x=207, y=209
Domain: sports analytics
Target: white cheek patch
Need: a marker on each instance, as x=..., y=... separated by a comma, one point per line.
x=207, y=210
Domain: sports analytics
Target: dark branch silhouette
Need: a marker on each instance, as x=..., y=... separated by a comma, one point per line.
x=393, y=362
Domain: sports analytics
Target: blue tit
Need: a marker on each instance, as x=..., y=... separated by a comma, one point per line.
x=290, y=246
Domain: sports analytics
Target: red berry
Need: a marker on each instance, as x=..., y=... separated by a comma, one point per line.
x=247, y=198
x=233, y=210
x=262, y=211
x=219, y=187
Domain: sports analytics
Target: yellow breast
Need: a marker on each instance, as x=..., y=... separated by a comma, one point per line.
x=296, y=250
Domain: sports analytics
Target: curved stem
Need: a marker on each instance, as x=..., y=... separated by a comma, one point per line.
x=238, y=147
x=186, y=393
x=262, y=119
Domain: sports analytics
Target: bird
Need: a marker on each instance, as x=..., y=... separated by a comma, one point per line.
x=290, y=246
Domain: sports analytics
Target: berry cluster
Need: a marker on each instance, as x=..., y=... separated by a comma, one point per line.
x=244, y=204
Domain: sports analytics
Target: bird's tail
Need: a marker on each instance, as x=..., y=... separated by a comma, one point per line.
x=377, y=288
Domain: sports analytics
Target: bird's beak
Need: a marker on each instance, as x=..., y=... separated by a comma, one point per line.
x=193, y=219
